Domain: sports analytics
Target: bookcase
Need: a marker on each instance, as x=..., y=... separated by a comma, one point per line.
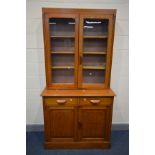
x=77, y=100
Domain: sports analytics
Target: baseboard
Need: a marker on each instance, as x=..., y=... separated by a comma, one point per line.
x=40, y=127
x=120, y=126
x=34, y=127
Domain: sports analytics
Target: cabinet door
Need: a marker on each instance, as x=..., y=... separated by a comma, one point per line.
x=95, y=49
x=60, y=123
x=94, y=123
x=61, y=50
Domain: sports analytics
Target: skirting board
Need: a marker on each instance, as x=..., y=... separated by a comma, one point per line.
x=40, y=127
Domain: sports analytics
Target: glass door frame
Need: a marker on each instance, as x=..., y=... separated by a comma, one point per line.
x=106, y=82
x=48, y=53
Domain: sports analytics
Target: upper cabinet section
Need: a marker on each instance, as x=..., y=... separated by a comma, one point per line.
x=78, y=48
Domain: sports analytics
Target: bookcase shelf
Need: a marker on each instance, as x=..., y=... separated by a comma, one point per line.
x=62, y=67
x=94, y=53
x=94, y=67
x=95, y=37
x=65, y=36
x=61, y=52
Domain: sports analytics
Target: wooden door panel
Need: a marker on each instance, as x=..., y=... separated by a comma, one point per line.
x=60, y=123
x=93, y=123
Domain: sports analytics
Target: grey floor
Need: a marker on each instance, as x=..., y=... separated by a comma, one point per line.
x=119, y=140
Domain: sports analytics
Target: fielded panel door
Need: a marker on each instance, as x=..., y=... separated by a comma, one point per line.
x=94, y=123
x=60, y=123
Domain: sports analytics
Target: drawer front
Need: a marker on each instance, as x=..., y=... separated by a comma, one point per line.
x=60, y=101
x=96, y=101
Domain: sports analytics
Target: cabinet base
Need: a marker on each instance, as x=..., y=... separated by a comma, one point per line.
x=76, y=145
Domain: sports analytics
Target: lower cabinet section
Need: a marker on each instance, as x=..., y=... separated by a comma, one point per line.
x=77, y=122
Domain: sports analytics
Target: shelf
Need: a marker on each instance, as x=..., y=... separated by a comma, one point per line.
x=62, y=52
x=62, y=67
x=97, y=37
x=62, y=36
x=60, y=83
x=94, y=67
x=100, y=53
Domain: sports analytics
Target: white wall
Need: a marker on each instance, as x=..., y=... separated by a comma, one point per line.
x=35, y=55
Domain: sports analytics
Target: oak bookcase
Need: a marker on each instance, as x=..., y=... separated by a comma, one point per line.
x=77, y=100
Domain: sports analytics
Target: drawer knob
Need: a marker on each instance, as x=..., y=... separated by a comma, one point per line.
x=84, y=99
x=95, y=101
x=61, y=101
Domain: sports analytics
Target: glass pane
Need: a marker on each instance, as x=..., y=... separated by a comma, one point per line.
x=93, y=76
x=95, y=45
x=62, y=27
x=62, y=31
x=94, y=60
x=95, y=27
x=63, y=76
x=95, y=35
x=62, y=60
x=62, y=45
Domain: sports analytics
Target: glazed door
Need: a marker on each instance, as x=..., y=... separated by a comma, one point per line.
x=95, y=50
x=61, y=50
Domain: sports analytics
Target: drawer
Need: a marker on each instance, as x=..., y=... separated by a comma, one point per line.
x=96, y=101
x=59, y=101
